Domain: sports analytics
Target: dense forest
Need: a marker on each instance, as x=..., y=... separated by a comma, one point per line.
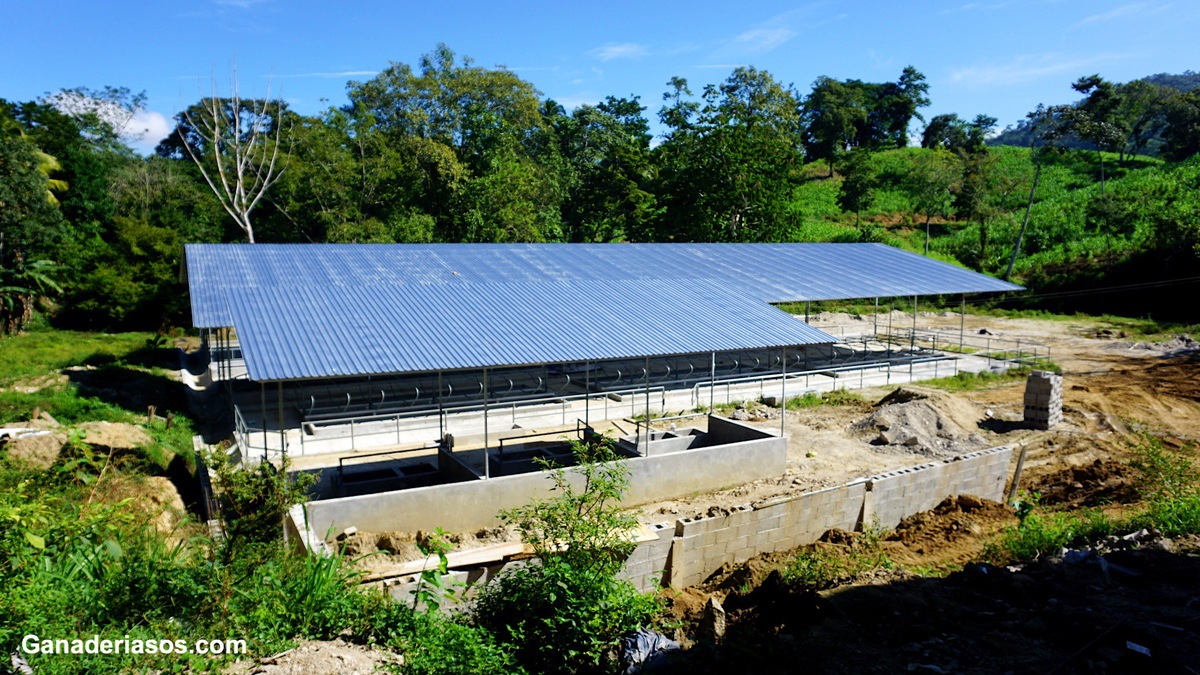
x=91, y=233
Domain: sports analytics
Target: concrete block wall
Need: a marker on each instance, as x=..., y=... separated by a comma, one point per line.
x=1043, y=399
x=647, y=564
x=700, y=546
x=893, y=496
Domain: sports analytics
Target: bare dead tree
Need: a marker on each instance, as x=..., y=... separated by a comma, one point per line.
x=245, y=168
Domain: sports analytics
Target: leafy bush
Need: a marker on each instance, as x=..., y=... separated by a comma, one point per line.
x=564, y=613
x=1041, y=533
x=253, y=501
x=822, y=566
x=1169, y=482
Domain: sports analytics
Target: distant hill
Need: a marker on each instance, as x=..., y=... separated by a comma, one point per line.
x=1021, y=134
x=1186, y=81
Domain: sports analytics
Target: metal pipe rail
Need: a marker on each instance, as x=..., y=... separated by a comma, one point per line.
x=990, y=347
x=441, y=419
x=540, y=434
x=860, y=368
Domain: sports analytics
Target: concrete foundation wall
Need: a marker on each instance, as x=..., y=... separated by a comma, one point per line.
x=688, y=551
x=474, y=504
x=700, y=546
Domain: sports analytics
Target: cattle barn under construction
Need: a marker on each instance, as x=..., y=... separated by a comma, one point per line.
x=400, y=366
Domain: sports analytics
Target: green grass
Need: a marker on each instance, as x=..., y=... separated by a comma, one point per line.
x=823, y=566
x=1045, y=533
x=45, y=351
x=1168, y=482
x=970, y=381
x=836, y=397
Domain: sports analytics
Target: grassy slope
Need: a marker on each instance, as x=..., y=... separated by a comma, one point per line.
x=1076, y=234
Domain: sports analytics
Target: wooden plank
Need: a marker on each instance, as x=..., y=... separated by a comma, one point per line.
x=467, y=558
x=484, y=555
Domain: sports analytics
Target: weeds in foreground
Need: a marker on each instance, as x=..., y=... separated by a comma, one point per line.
x=1040, y=532
x=969, y=381
x=825, y=565
x=1168, y=482
x=567, y=612
x=836, y=397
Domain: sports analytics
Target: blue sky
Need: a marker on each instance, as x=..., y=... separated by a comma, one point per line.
x=992, y=56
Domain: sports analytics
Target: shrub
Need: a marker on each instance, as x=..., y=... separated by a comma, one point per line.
x=1041, y=533
x=254, y=501
x=1168, y=482
x=565, y=612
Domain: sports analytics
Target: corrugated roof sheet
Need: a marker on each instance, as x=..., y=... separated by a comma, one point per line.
x=309, y=332
x=765, y=272
x=328, y=310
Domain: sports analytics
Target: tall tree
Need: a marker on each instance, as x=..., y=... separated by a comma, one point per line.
x=929, y=185
x=30, y=228
x=235, y=143
x=1182, y=132
x=857, y=190
x=459, y=122
x=728, y=160
x=831, y=116
x=608, y=150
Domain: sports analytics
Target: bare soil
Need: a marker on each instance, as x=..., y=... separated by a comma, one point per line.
x=1127, y=606
x=317, y=657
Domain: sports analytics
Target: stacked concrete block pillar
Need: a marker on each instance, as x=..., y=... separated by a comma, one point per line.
x=1043, y=400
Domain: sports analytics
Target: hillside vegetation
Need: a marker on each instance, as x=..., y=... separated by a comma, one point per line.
x=448, y=151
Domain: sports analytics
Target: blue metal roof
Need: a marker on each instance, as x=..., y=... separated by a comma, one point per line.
x=765, y=272
x=313, y=332
x=328, y=310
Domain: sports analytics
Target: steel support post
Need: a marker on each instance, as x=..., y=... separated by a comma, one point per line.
x=783, y=396
x=712, y=385
x=962, y=323
x=487, y=473
x=262, y=415
x=282, y=429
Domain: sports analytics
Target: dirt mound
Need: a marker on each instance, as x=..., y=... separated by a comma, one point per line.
x=114, y=435
x=1180, y=344
x=951, y=534
x=1104, y=481
x=925, y=421
x=319, y=657
x=155, y=497
x=37, y=450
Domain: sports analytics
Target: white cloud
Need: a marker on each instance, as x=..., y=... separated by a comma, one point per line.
x=333, y=74
x=763, y=39
x=1027, y=68
x=146, y=129
x=973, y=6
x=620, y=50
x=240, y=4
x=1142, y=8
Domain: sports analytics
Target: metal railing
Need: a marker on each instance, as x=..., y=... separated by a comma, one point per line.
x=843, y=374
x=937, y=352
x=989, y=347
x=381, y=430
